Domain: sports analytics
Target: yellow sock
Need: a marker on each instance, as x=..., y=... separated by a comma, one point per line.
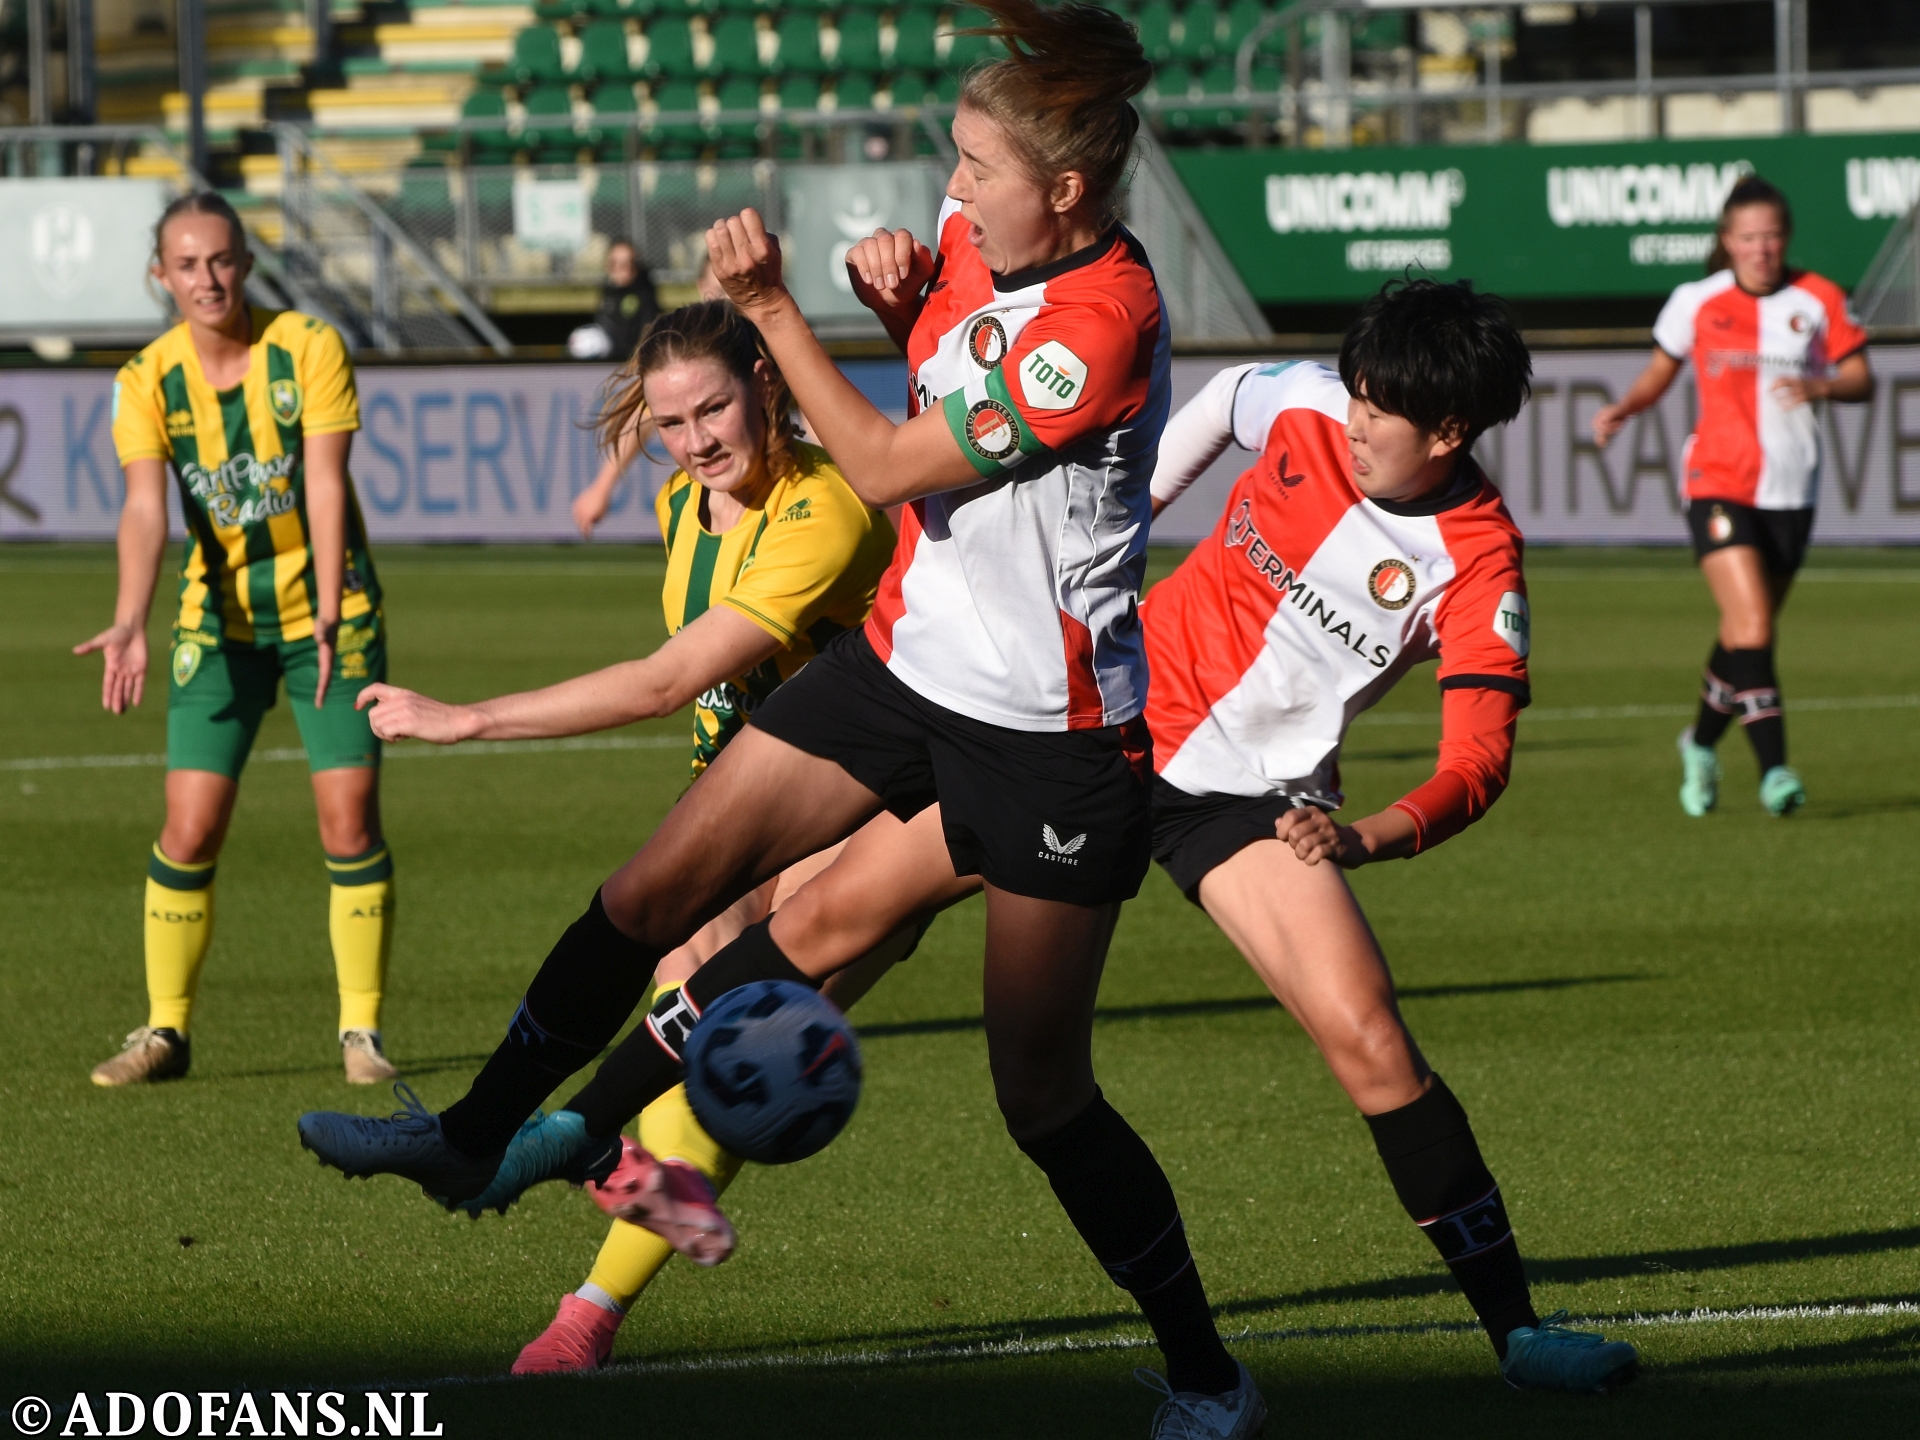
x=360, y=919
x=631, y=1256
x=179, y=928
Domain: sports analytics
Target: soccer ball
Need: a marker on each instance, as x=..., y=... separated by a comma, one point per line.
x=773, y=1071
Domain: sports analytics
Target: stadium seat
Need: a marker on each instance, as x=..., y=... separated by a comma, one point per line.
x=1155, y=22
x=853, y=92
x=910, y=88
x=603, y=52
x=669, y=48
x=1199, y=32
x=966, y=51
x=536, y=56
x=549, y=122
x=675, y=97
x=736, y=48
x=799, y=43
x=914, y=45
x=553, y=10
x=1242, y=16
x=488, y=147
x=800, y=92
x=624, y=9
x=859, y=47
x=740, y=93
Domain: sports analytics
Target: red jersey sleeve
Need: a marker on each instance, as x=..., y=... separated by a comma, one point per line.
x=1485, y=632
x=1845, y=335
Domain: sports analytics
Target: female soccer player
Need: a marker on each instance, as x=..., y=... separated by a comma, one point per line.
x=1001, y=675
x=1363, y=541
x=1766, y=342
x=255, y=410
x=768, y=552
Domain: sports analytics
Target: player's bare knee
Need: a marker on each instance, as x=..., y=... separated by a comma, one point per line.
x=1374, y=1053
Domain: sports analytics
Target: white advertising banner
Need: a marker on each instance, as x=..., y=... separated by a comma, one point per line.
x=1565, y=490
x=492, y=453
x=77, y=253
x=497, y=453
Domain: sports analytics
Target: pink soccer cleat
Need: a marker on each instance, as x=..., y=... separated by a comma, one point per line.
x=580, y=1338
x=669, y=1197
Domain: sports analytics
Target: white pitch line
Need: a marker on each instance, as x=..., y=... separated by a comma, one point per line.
x=414, y=751
x=419, y=751
x=1650, y=712
x=866, y=1359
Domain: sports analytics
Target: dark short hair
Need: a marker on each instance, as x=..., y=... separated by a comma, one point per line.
x=1432, y=353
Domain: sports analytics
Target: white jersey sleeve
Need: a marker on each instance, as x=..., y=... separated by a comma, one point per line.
x=1197, y=435
x=1238, y=406
x=1673, y=331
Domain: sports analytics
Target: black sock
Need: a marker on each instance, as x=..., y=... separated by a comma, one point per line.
x=1757, y=700
x=647, y=1063
x=583, y=994
x=1716, y=700
x=1119, y=1200
x=1437, y=1172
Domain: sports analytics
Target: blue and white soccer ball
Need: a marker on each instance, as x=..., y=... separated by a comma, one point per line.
x=773, y=1071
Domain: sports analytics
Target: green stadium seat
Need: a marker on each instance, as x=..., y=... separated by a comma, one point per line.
x=1242, y=16
x=800, y=92
x=536, y=56
x=736, y=49
x=549, y=121
x=488, y=147
x=799, y=44
x=624, y=9
x=910, y=88
x=853, y=92
x=552, y=10
x=669, y=48
x=946, y=87
x=1155, y=22
x=740, y=93
x=967, y=51
x=614, y=100
x=859, y=49
x=1201, y=30
x=914, y=46
x=603, y=52
x=676, y=96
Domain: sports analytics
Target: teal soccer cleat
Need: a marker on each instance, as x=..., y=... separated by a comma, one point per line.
x=1700, y=778
x=1781, y=791
x=1549, y=1356
x=408, y=1144
x=548, y=1147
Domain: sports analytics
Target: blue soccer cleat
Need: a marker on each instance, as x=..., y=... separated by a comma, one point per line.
x=1781, y=791
x=1700, y=776
x=1549, y=1356
x=548, y=1147
x=408, y=1144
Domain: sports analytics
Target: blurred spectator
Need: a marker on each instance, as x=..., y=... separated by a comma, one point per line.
x=627, y=306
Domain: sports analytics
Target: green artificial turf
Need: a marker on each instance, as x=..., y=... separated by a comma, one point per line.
x=1690, y=1049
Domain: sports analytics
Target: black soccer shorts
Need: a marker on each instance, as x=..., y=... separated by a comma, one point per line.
x=1779, y=535
x=1194, y=833
x=1055, y=815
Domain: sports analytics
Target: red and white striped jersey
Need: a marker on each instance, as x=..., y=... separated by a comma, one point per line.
x=1013, y=600
x=1746, y=447
x=1309, y=601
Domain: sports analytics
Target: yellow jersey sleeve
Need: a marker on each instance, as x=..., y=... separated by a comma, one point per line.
x=332, y=404
x=139, y=427
x=815, y=529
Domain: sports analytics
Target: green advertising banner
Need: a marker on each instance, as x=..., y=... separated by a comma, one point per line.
x=1537, y=221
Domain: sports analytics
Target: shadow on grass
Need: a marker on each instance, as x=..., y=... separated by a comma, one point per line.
x=1892, y=805
x=1191, y=1009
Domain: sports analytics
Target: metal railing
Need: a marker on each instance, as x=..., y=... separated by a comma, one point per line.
x=1888, y=295
x=342, y=246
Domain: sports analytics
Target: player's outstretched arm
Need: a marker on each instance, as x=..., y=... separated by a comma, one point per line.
x=889, y=270
x=591, y=504
x=142, y=541
x=1652, y=383
x=883, y=463
x=719, y=645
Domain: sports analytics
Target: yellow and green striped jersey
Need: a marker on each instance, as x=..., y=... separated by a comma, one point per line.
x=237, y=455
x=802, y=563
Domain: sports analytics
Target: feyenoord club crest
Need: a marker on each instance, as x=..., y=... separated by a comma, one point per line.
x=987, y=342
x=285, y=398
x=1391, y=584
x=1719, y=526
x=992, y=431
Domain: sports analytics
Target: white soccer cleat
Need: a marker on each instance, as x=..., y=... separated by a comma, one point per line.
x=1240, y=1414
